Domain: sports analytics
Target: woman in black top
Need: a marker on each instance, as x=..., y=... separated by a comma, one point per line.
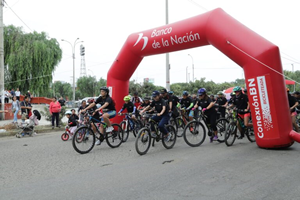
x=207, y=106
x=293, y=103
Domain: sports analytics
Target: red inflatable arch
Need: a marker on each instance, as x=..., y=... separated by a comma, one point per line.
x=259, y=58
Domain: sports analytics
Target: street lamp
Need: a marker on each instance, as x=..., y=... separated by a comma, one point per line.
x=73, y=55
x=192, y=67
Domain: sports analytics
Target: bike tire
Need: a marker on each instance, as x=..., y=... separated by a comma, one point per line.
x=221, y=125
x=250, y=134
x=170, y=144
x=137, y=126
x=143, y=141
x=194, y=133
x=83, y=140
x=65, y=137
x=231, y=134
x=173, y=123
x=125, y=131
x=181, y=125
x=114, y=139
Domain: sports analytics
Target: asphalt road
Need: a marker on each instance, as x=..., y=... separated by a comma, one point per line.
x=45, y=167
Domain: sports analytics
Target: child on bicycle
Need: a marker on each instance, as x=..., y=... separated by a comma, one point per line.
x=72, y=122
x=129, y=106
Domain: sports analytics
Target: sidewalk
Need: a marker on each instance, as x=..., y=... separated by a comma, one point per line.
x=44, y=125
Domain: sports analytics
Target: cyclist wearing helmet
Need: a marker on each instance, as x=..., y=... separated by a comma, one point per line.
x=207, y=106
x=232, y=99
x=222, y=102
x=186, y=103
x=175, y=101
x=195, y=108
x=162, y=117
x=242, y=104
x=293, y=103
x=128, y=105
x=212, y=97
x=146, y=102
x=72, y=122
x=136, y=100
x=165, y=95
x=108, y=108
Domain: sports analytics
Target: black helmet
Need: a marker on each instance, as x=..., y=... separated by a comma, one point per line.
x=105, y=89
x=135, y=93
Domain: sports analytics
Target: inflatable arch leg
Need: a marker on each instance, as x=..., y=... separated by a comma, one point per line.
x=259, y=58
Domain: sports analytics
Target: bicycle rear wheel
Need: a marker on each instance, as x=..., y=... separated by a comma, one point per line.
x=230, y=135
x=114, y=139
x=170, y=144
x=221, y=125
x=180, y=125
x=250, y=134
x=143, y=141
x=83, y=140
x=137, y=126
x=194, y=133
x=125, y=131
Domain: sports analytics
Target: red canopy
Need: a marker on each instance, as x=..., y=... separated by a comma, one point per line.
x=289, y=82
x=229, y=90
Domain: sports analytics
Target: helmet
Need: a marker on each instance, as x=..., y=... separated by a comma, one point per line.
x=155, y=93
x=185, y=93
x=68, y=112
x=201, y=91
x=232, y=94
x=91, y=100
x=146, y=98
x=105, y=89
x=163, y=91
x=237, y=88
x=135, y=93
x=171, y=92
x=220, y=93
x=126, y=98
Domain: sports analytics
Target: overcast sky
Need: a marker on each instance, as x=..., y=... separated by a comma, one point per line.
x=105, y=25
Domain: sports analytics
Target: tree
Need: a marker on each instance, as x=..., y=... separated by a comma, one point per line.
x=86, y=86
x=62, y=89
x=29, y=59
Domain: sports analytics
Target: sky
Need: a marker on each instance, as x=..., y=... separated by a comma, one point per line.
x=104, y=26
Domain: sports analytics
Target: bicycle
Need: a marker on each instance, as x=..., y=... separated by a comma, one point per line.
x=128, y=124
x=232, y=133
x=194, y=133
x=180, y=122
x=84, y=138
x=144, y=138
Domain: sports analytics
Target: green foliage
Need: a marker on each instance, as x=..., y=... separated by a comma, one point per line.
x=62, y=90
x=29, y=59
x=294, y=76
x=87, y=86
x=48, y=117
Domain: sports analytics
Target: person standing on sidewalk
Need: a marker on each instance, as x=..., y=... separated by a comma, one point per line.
x=15, y=107
x=54, y=111
x=18, y=93
x=25, y=108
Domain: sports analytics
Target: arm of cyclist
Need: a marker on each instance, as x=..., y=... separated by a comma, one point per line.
x=190, y=106
x=211, y=105
x=294, y=106
x=91, y=105
x=145, y=109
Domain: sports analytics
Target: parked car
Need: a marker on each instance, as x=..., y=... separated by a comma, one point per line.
x=86, y=99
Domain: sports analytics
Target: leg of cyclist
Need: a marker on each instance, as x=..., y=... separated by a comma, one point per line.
x=191, y=115
x=246, y=120
x=212, y=119
x=106, y=116
x=161, y=125
x=156, y=119
x=293, y=116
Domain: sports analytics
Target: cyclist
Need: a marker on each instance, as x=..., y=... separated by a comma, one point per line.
x=162, y=117
x=108, y=108
x=146, y=102
x=136, y=100
x=222, y=102
x=128, y=105
x=165, y=95
x=195, y=108
x=175, y=101
x=232, y=99
x=212, y=97
x=293, y=103
x=186, y=103
x=243, y=107
x=72, y=122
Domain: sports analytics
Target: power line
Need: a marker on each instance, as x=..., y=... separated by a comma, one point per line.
x=17, y=16
x=203, y=8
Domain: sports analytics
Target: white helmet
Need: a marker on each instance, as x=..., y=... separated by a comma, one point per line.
x=68, y=112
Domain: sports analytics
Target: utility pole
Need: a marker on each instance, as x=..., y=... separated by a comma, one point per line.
x=1, y=59
x=167, y=55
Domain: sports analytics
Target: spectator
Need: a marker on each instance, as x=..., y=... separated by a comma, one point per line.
x=12, y=93
x=6, y=96
x=28, y=94
x=61, y=101
x=25, y=108
x=54, y=111
x=15, y=107
x=18, y=93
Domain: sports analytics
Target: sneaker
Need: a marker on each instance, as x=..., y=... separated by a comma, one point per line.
x=109, y=129
x=101, y=138
x=215, y=138
x=168, y=137
x=153, y=134
x=98, y=142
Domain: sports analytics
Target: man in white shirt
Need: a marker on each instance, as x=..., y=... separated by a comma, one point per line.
x=18, y=93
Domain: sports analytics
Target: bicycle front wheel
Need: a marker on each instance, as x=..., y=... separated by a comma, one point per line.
x=137, y=126
x=221, y=125
x=83, y=140
x=180, y=125
x=114, y=139
x=250, y=134
x=143, y=141
x=194, y=133
x=170, y=144
x=125, y=130
x=230, y=135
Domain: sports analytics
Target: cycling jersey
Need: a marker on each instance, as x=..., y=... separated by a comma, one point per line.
x=159, y=106
x=241, y=102
x=144, y=104
x=292, y=101
x=107, y=99
x=204, y=103
x=129, y=107
x=187, y=102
